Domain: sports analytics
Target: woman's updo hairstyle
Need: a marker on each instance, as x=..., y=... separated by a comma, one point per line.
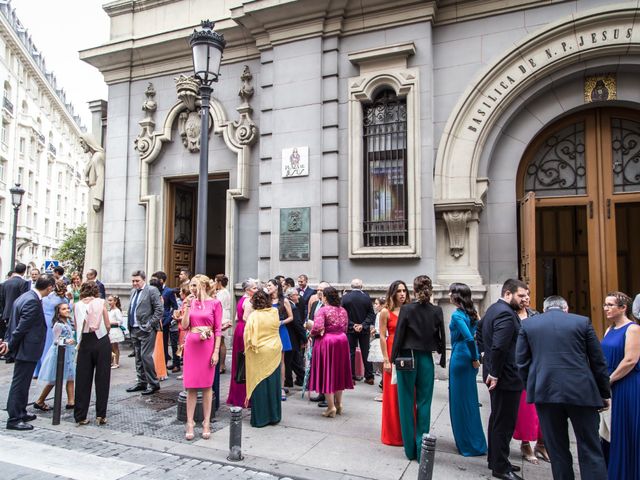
x=260, y=300
x=423, y=288
x=332, y=296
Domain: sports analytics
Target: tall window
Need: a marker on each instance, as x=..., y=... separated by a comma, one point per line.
x=385, y=171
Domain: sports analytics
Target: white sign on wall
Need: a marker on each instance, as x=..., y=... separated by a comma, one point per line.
x=295, y=162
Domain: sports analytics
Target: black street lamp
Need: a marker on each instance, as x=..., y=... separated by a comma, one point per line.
x=16, y=200
x=207, y=47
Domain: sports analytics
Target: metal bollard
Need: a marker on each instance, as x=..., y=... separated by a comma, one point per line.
x=427, y=454
x=235, y=435
x=57, y=398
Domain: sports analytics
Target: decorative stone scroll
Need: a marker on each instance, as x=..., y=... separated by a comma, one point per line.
x=457, y=227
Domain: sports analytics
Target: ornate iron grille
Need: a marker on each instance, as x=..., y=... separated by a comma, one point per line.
x=558, y=167
x=183, y=217
x=385, y=171
x=625, y=149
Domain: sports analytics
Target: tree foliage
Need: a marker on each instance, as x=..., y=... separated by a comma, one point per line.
x=72, y=250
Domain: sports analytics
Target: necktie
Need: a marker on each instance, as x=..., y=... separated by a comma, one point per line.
x=132, y=309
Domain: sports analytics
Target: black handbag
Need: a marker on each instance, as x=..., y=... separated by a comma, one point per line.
x=241, y=373
x=405, y=363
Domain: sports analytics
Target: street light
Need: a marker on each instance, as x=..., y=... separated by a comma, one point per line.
x=207, y=47
x=16, y=200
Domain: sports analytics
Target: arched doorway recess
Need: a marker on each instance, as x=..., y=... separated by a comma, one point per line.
x=579, y=181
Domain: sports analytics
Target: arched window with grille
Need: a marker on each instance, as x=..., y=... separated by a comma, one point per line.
x=385, y=171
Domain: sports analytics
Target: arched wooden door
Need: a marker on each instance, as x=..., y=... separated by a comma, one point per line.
x=579, y=182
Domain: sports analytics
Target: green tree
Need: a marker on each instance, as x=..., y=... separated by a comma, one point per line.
x=72, y=250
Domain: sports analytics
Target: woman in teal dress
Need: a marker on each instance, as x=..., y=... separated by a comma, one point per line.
x=463, y=369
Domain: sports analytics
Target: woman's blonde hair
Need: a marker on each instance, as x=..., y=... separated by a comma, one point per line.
x=203, y=285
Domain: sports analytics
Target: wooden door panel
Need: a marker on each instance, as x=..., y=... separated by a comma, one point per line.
x=528, y=244
x=180, y=230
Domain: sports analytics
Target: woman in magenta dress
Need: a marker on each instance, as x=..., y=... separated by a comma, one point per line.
x=331, y=363
x=397, y=295
x=238, y=391
x=527, y=424
x=203, y=322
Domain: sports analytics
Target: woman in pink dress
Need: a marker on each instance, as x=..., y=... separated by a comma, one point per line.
x=203, y=322
x=527, y=425
x=238, y=391
x=330, y=361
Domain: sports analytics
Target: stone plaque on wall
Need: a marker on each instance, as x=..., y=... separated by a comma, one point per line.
x=294, y=234
x=295, y=162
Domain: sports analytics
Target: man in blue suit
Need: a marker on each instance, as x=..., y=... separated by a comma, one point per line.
x=560, y=360
x=26, y=343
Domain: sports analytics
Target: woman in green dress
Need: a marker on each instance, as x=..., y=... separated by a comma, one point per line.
x=263, y=351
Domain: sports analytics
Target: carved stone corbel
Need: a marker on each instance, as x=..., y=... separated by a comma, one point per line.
x=246, y=131
x=189, y=120
x=457, y=227
x=144, y=141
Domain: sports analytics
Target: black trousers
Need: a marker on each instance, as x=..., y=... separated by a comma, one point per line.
x=3, y=327
x=293, y=364
x=555, y=429
x=363, y=339
x=165, y=342
x=19, y=391
x=502, y=423
x=173, y=338
x=94, y=356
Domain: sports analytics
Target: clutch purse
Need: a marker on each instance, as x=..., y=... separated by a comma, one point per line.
x=405, y=363
x=241, y=372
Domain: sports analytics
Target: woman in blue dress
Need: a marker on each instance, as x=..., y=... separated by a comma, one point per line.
x=49, y=304
x=621, y=347
x=285, y=312
x=463, y=369
x=63, y=332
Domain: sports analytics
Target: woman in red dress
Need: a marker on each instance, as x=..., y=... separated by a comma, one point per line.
x=397, y=295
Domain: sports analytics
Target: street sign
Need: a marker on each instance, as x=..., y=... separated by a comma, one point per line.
x=49, y=265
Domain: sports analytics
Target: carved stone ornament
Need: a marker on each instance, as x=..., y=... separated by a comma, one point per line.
x=457, y=226
x=188, y=88
x=144, y=141
x=189, y=127
x=246, y=130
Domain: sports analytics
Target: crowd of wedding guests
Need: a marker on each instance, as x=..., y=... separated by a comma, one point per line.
x=541, y=369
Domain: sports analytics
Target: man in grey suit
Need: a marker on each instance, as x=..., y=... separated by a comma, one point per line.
x=145, y=319
x=11, y=289
x=561, y=362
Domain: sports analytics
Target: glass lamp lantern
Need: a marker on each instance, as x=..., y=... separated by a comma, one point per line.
x=16, y=195
x=207, y=46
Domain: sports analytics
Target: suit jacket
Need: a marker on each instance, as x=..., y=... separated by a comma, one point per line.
x=103, y=292
x=359, y=307
x=26, y=341
x=500, y=327
x=560, y=360
x=420, y=327
x=12, y=288
x=303, y=302
x=149, y=309
x=297, y=332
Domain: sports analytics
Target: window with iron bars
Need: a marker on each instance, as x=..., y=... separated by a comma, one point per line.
x=385, y=171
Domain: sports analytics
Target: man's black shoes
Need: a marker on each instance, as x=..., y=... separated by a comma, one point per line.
x=23, y=426
x=137, y=388
x=150, y=391
x=507, y=476
x=317, y=398
x=29, y=417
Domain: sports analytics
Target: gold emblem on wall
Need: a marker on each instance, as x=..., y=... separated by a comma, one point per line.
x=600, y=88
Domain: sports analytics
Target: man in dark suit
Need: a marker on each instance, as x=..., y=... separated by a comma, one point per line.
x=12, y=288
x=499, y=333
x=293, y=360
x=359, y=308
x=551, y=353
x=26, y=343
x=92, y=276
x=306, y=292
x=144, y=319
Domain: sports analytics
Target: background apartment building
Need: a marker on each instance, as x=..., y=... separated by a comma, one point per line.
x=39, y=148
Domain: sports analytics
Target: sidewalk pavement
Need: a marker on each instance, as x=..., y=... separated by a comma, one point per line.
x=304, y=445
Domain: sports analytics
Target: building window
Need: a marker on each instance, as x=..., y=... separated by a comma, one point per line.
x=385, y=171
x=22, y=146
x=384, y=155
x=3, y=171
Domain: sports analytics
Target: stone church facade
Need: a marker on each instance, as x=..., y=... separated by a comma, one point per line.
x=471, y=141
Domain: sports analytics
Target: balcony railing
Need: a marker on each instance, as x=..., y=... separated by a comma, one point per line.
x=7, y=105
x=52, y=149
x=41, y=138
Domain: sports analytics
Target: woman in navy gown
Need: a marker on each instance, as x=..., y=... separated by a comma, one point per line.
x=463, y=369
x=621, y=347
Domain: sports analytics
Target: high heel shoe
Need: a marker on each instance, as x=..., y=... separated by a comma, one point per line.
x=540, y=452
x=101, y=420
x=206, y=431
x=330, y=412
x=339, y=409
x=189, y=431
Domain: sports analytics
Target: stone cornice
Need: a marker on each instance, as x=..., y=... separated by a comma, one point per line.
x=138, y=52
